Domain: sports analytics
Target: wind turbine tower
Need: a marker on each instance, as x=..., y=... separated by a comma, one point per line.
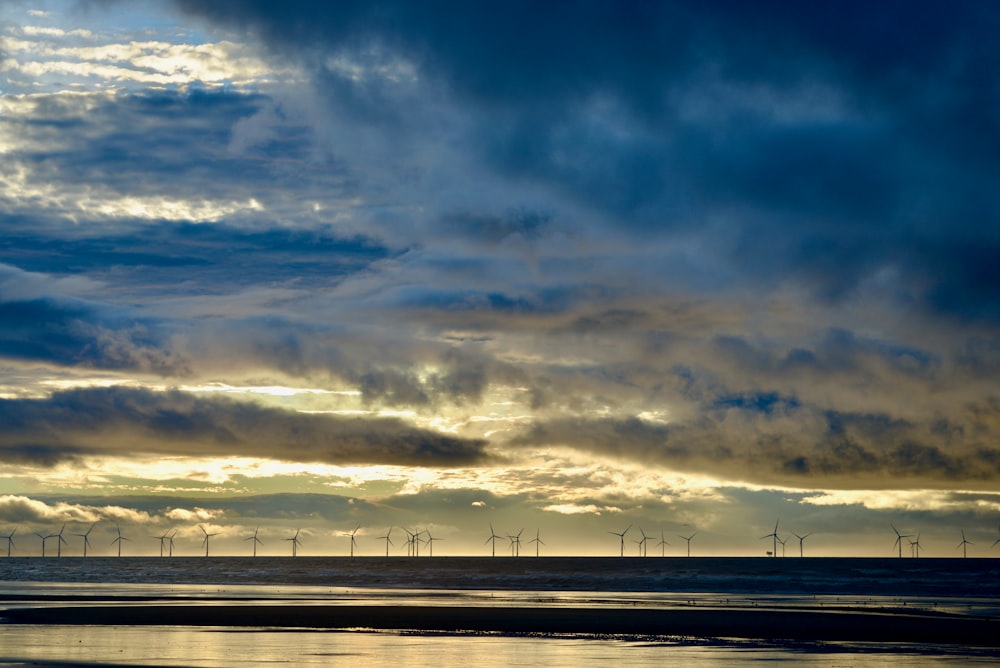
x=899, y=540
x=621, y=538
x=119, y=540
x=10, y=541
x=963, y=545
x=388, y=541
x=354, y=542
x=430, y=541
x=537, y=541
x=59, y=540
x=44, y=538
x=254, y=540
x=86, y=537
x=774, y=536
x=801, y=540
x=493, y=539
x=662, y=545
x=688, y=539
x=207, y=536
x=915, y=547
x=163, y=542
x=295, y=543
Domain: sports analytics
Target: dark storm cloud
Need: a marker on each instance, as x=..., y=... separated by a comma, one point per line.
x=770, y=439
x=832, y=141
x=74, y=332
x=211, y=258
x=123, y=422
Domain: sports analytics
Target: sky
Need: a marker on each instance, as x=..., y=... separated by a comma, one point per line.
x=685, y=267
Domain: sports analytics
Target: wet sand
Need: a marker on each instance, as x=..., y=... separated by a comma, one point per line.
x=757, y=623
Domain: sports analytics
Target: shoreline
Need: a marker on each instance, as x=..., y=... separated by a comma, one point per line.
x=758, y=623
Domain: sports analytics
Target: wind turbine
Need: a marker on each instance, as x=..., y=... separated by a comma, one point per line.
x=537, y=541
x=86, y=537
x=515, y=544
x=688, y=539
x=207, y=536
x=44, y=538
x=621, y=537
x=997, y=541
x=915, y=547
x=10, y=540
x=963, y=544
x=388, y=541
x=295, y=543
x=411, y=539
x=493, y=538
x=782, y=542
x=662, y=545
x=801, y=540
x=163, y=540
x=774, y=535
x=354, y=542
x=255, y=540
x=642, y=543
x=899, y=540
x=59, y=540
x=170, y=543
x=119, y=540
x=430, y=541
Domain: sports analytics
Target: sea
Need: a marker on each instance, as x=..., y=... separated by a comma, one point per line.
x=966, y=587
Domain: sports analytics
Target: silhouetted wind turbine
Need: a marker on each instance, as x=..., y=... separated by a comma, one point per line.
x=170, y=543
x=774, y=535
x=10, y=540
x=430, y=541
x=782, y=542
x=60, y=540
x=899, y=540
x=493, y=538
x=537, y=541
x=119, y=540
x=295, y=543
x=963, y=544
x=915, y=547
x=44, y=538
x=662, y=545
x=163, y=541
x=254, y=540
x=801, y=540
x=621, y=537
x=354, y=542
x=515, y=544
x=411, y=539
x=207, y=536
x=688, y=539
x=642, y=543
x=388, y=541
x=86, y=537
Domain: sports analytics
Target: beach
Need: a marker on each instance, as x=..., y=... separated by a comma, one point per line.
x=948, y=609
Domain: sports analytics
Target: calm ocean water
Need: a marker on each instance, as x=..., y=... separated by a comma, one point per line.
x=964, y=586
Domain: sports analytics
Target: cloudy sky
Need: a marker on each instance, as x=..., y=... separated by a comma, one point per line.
x=685, y=266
